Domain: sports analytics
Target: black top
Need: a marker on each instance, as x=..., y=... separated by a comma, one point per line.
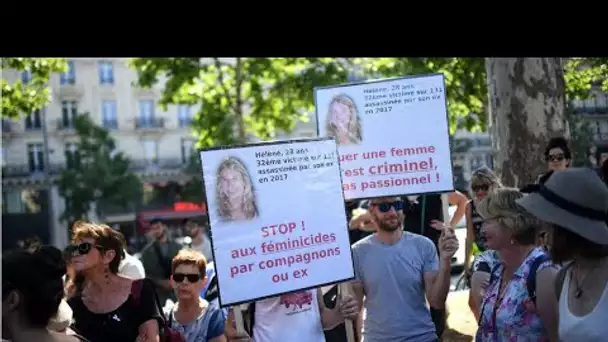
x=119, y=325
x=432, y=211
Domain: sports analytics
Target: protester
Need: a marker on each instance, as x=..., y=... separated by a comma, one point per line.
x=396, y=272
x=514, y=307
x=156, y=258
x=483, y=182
x=193, y=316
x=557, y=154
x=294, y=317
x=104, y=306
x=574, y=204
x=32, y=290
x=195, y=229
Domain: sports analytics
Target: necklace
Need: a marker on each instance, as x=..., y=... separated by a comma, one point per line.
x=578, y=292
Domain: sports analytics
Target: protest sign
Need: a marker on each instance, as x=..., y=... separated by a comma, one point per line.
x=277, y=218
x=392, y=135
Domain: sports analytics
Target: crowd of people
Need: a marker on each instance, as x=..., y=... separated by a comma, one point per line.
x=536, y=258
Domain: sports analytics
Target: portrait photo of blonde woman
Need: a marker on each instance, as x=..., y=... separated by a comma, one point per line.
x=342, y=121
x=234, y=193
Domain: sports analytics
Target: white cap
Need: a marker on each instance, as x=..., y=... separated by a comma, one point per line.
x=131, y=268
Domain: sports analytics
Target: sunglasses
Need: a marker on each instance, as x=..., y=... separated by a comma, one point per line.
x=476, y=188
x=180, y=277
x=386, y=207
x=556, y=157
x=82, y=249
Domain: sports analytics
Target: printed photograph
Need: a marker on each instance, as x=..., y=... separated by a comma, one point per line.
x=234, y=192
x=343, y=121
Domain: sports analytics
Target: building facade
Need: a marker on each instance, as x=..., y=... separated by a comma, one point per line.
x=34, y=148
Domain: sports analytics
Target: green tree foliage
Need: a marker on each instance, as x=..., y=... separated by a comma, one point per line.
x=96, y=172
x=22, y=99
x=193, y=191
x=242, y=96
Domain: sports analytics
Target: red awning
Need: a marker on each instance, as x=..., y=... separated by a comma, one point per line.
x=180, y=210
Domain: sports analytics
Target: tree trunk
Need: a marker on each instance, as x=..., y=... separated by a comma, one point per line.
x=526, y=107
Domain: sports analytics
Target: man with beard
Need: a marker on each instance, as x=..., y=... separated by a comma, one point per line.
x=200, y=240
x=156, y=258
x=396, y=271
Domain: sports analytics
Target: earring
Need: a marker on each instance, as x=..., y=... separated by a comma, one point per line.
x=512, y=241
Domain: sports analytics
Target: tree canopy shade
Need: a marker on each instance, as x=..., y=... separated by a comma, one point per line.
x=19, y=98
x=95, y=171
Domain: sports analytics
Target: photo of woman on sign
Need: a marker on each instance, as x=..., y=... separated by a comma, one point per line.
x=234, y=191
x=342, y=121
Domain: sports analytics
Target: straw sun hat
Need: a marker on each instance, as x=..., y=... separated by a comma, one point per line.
x=575, y=199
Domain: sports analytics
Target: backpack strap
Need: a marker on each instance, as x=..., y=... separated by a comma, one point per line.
x=560, y=278
x=531, y=280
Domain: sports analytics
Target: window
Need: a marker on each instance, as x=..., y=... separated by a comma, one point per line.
x=72, y=156
x=184, y=115
x=187, y=150
x=22, y=201
x=34, y=121
x=26, y=77
x=68, y=77
x=69, y=110
x=146, y=113
x=108, y=110
x=106, y=72
x=4, y=156
x=35, y=157
x=151, y=152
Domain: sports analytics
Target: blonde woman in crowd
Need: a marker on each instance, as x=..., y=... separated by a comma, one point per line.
x=515, y=306
x=343, y=120
x=573, y=204
x=234, y=191
x=105, y=305
x=483, y=182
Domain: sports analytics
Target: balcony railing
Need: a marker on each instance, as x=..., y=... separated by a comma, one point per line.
x=149, y=123
x=24, y=170
x=594, y=106
x=63, y=125
x=162, y=164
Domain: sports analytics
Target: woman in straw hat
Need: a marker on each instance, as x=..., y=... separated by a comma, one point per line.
x=514, y=308
x=574, y=203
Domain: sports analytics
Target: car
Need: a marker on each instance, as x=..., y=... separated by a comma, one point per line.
x=461, y=234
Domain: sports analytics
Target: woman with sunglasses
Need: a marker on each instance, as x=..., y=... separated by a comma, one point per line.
x=195, y=318
x=483, y=182
x=105, y=306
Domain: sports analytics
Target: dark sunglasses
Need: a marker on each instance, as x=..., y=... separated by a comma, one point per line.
x=192, y=278
x=476, y=188
x=386, y=207
x=556, y=157
x=82, y=249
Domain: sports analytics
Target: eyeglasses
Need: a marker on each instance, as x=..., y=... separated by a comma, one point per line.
x=180, y=277
x=386, y=206
x=556, y=157
x=476, y=188
x=82, y=249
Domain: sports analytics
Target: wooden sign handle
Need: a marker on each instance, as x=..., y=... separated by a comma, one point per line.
x=239, y=321
x=343, y=291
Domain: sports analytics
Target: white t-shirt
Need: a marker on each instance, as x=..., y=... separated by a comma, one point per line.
x=293, y=317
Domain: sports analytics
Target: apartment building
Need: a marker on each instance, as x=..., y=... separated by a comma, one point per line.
x=158, y=142
x=594, y=112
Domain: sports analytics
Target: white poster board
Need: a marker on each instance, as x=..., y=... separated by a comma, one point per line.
x=277, y=218
x=393, y=135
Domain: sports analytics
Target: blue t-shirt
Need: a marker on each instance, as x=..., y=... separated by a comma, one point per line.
x=393, y=285
x=209, y=325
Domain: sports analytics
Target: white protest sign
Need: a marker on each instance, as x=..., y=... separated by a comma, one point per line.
x=393, y=135
x=277, y=218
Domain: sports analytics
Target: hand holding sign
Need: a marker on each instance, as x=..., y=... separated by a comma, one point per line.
x=448, y=243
